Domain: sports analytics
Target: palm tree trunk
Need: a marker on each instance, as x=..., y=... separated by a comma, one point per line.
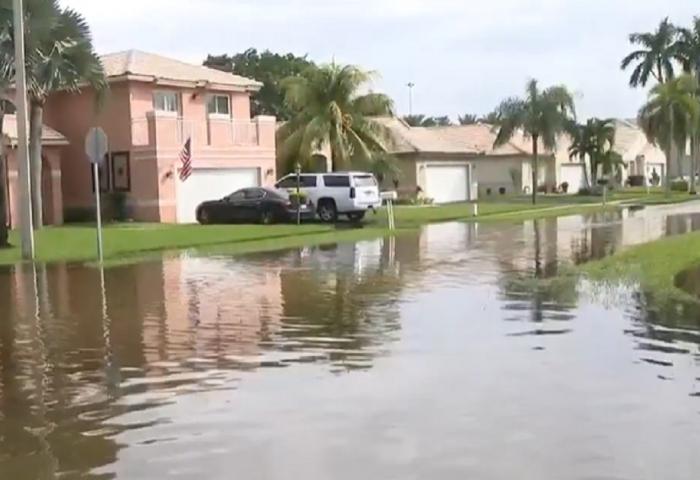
x=4, y=231
x=35, y=163
x=535, y=166
x=586, y=178
x=669, y=154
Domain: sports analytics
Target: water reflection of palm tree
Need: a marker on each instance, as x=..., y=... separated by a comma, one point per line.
x=355, y=314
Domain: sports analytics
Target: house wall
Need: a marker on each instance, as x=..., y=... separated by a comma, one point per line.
x=495, y=173
x=51, y=186
x=154, y=141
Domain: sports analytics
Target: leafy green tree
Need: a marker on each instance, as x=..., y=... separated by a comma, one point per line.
x=60, y=57
x=655, y=56
x=420, y=120
x=333, y=112
x=468, y=119
x=590, y=142
x=270, y=69
x=542, y=115
x=669, y=116
x=490, y=118
x=688, y=46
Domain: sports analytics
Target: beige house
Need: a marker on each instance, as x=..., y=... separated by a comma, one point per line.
x=458, y=163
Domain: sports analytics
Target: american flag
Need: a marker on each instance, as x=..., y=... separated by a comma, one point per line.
x=186, y=160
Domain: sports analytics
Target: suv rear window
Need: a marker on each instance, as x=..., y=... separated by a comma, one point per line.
x=306, y=181
x=364, y=181
x=336, y=180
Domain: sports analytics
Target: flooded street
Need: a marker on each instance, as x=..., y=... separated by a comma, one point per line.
x=455, y=352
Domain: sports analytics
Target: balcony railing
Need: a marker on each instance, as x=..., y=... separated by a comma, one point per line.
x=169, y=131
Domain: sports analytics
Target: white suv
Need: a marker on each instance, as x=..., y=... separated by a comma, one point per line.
x=338, y=193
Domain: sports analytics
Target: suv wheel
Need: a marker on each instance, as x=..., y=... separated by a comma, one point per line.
x=327, y=211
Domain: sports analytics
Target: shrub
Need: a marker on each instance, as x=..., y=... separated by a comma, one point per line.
x=565, y=187
x=635, y=180
x=679, y=185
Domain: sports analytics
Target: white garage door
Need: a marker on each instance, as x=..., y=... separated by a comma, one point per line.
x=211, y=184
x=447, y=183
x=573, y=175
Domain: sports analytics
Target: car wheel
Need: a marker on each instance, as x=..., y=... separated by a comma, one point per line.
x=267, y=217
x=203, y=216
x=327, y=211
x=356, y=216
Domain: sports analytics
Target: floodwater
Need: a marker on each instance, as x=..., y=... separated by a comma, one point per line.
x=453, y=353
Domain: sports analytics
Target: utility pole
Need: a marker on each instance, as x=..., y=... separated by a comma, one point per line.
x=410, y=86
x=27, y=232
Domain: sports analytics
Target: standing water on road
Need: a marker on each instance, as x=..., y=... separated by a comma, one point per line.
x=436, y=355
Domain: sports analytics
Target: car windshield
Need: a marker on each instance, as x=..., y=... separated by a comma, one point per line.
x=364, y=181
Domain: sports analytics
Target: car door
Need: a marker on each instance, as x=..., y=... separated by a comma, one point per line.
x=253, y=204
x=338, y=188
x=232, y=209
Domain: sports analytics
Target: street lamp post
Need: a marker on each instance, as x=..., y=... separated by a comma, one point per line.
x=410, y=86
x=27, y=233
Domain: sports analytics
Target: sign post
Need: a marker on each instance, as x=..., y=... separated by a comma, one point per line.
x=297, y=170
x=389, y=198
x=96, y=147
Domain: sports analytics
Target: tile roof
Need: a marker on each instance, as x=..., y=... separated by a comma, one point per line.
x=50, y=136
x=631, y=141
x=135, y=62
x=476, y=139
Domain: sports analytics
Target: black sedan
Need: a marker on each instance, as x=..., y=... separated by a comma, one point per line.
x=251, y=205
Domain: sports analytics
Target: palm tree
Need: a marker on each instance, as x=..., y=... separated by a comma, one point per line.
x=655, y=56
x=420, y=120
x=688, y=46
x=60, y=57
x=590, y=141
x=541, y=116
x=331, y=112
x=468, y=119
x=490, y=118
x=669, y=116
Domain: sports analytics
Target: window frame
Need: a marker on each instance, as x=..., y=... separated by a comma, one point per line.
x=165, y=94
x=213, y=97
x=127, y=165
x=346, y=177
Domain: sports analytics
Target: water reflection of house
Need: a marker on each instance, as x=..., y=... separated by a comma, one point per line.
x=212, y=307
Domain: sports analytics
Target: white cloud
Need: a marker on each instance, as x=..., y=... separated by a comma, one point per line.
x=463, y=55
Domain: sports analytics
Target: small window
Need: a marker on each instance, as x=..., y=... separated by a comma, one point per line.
x=336, y=180
x=166, y=101
x=219, y=105
x=365, y=181
x=254, y=194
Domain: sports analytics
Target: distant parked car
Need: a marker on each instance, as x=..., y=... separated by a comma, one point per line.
x=338, y=193
x=251, y=205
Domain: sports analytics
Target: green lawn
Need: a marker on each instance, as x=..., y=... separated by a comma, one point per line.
x=654, y=265
x=77, y=242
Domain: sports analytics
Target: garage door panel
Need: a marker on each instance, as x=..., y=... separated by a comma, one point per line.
x=445, y=184
x=573, y=175
x=211, y=184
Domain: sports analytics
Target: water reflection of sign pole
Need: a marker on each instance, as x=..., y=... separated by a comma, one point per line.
x=27, y=232
x=389, y=198
x=96, y=147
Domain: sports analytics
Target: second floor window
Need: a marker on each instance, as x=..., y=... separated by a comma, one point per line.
x=219, y=105
x=166, y=102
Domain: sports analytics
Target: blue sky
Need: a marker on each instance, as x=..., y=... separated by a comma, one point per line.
x=463, y=55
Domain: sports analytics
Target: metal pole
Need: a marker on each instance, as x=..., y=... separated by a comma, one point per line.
x=26, y=222
x=98, y=207
x=410, y=86
x=298, y=171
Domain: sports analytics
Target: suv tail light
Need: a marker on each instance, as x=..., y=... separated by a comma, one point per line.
x=352, y=192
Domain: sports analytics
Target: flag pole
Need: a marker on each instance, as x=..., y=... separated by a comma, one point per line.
x=27, y=232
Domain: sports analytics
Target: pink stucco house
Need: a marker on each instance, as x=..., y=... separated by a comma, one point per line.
x=153, y=106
